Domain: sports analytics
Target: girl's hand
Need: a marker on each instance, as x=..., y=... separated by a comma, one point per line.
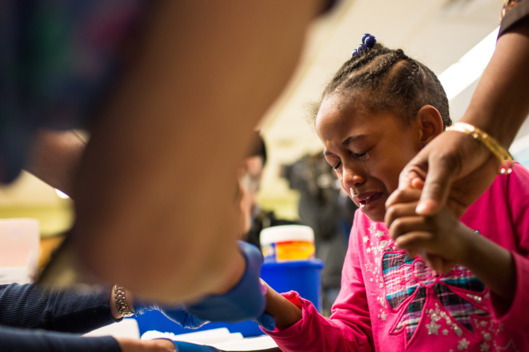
x=440, y=239
x=283, y=312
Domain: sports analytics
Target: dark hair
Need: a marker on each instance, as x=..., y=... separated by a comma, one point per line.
x=389, y=80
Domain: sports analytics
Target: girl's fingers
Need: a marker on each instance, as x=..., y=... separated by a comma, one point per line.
x=404, y=225
x=410, y=231
x=414, y=241
x=447, y=265
x=433, y=261
x=417, y=183
x=437, y=263
x=404, y=195
x=401, y=203
x=397, y=212
x=420, y=243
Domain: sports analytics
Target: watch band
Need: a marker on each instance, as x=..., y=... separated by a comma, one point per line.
x=121, y=302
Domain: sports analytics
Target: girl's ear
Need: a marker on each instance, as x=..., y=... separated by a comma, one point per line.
x=430, y=124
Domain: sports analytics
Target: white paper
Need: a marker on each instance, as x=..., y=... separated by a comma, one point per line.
x=220, y=338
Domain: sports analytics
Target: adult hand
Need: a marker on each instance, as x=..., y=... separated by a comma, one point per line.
x=191, y=347
x=453, y=169
x=161, y=345
x=246, y=301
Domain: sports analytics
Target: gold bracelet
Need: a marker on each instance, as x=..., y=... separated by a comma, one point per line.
x=503, y=155
x=121, y=302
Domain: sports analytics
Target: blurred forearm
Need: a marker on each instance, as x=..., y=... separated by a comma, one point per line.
x=154, y=199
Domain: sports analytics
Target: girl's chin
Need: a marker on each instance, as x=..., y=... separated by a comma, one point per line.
x=375, y=208
x=376, y=218
x=377, y=214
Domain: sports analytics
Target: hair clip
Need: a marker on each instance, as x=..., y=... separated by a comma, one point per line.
x=368, y=41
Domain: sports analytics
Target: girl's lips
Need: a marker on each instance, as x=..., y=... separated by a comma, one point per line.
x=367, y=201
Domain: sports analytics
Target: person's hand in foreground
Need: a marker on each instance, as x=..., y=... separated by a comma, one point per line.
x=161, y=345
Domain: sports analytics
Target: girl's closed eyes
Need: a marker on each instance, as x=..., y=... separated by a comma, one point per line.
x=358, y=156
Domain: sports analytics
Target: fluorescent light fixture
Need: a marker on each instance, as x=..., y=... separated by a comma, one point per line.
x=469, y=67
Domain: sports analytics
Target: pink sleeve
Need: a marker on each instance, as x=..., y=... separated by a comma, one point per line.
x=517, y=316
x=348, y=329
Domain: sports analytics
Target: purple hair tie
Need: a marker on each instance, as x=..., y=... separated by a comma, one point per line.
x=368, y=41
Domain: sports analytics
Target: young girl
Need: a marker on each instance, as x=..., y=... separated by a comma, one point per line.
x=378, y=111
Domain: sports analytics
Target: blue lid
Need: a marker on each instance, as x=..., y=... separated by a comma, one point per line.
x=317, y=263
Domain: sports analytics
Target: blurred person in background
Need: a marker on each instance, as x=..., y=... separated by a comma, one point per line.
x=257, y=218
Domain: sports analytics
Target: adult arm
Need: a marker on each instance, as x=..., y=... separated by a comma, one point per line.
x=456, y=168
x=154, y=206
x=36, y=319
x=16, y=339
x=27, y=310
x=26, y=340
x=32, y=306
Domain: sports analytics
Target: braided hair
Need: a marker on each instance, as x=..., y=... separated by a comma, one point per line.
x=389, y=80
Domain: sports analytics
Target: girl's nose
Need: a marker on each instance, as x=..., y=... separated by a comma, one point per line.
x=353, y=176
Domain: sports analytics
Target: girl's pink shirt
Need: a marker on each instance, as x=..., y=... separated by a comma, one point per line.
x=390, y=302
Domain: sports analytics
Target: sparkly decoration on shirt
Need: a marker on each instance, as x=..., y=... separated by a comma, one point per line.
x=433, y=328
x=463, y=344
x=484, y=347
